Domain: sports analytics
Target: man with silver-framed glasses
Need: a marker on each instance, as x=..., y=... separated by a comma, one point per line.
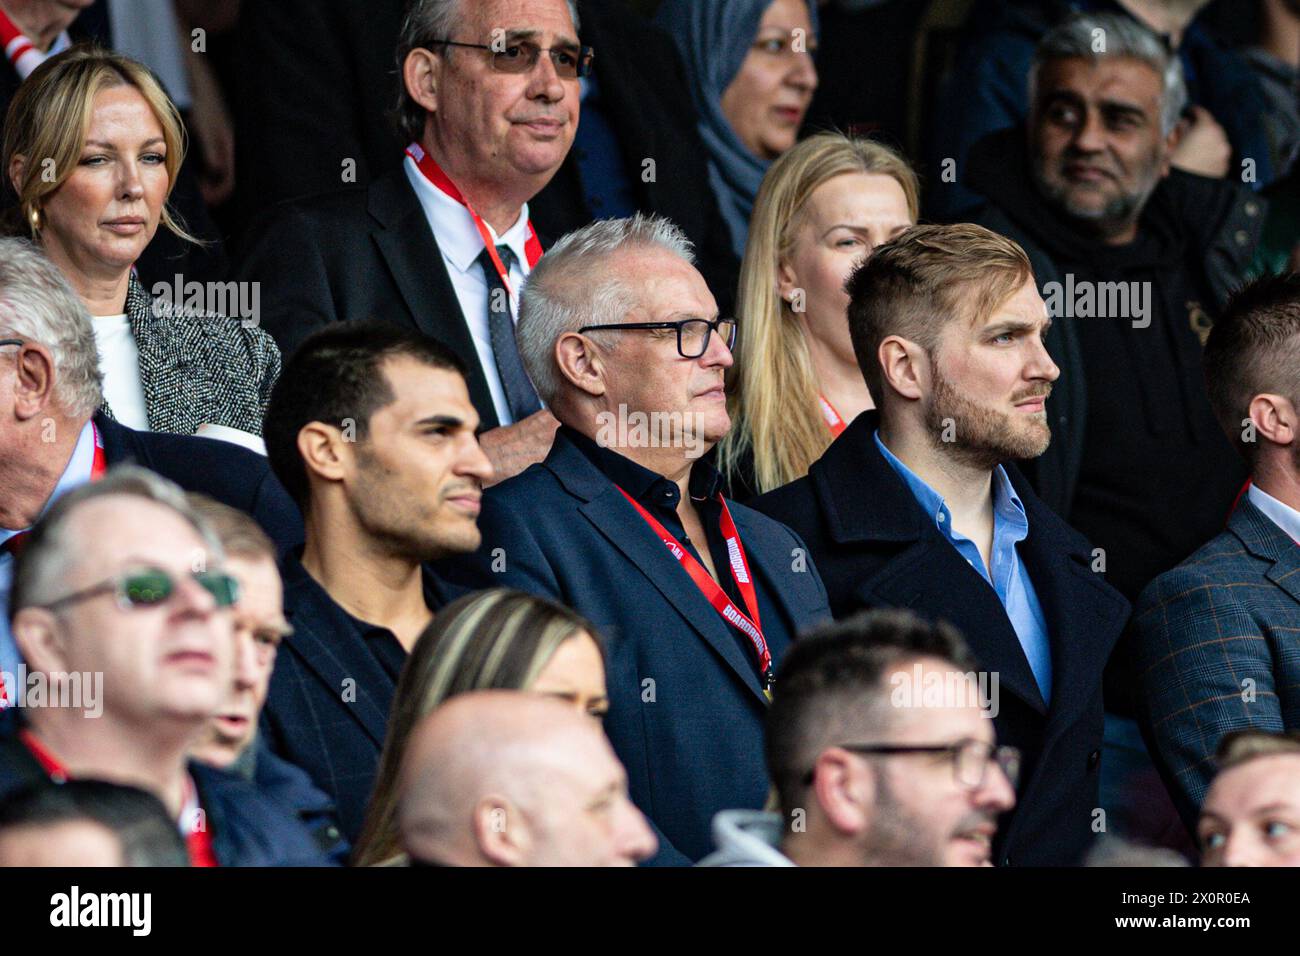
x=121, y=609
x=697, y=597
x=881, y=753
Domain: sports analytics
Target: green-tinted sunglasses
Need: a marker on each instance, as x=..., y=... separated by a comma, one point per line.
x=149, y=587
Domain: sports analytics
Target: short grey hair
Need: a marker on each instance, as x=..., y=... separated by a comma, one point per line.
x=1121, y=37
x=573, y=286
x=38, y=305
x=427, y=21
x=50, y=551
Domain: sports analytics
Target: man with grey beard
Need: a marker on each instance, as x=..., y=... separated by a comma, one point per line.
x=916, y=506
x=1134, y=259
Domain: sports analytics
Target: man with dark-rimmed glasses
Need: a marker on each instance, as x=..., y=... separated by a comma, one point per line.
x=698, y=597
x=121, y=588
x=881, y=753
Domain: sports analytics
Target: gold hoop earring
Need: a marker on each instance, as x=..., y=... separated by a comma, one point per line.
x=35, y=218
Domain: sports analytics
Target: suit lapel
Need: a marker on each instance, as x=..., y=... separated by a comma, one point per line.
x=618, y=522
x=409, y=249
x=1265, y=539
x=340, y=662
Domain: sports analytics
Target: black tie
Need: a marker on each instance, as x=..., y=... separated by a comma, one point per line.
x=520, y=394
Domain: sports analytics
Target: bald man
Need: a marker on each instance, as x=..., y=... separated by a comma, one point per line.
x=501, y=778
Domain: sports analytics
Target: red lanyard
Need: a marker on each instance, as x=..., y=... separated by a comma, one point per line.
x=833, y=420
x=435, y=175
x=750, y=625
x=21, y=51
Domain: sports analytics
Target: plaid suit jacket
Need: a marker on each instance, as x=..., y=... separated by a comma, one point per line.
x=1219, y=649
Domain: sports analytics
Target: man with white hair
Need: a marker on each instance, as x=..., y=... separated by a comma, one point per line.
x=697, y=597
x=502, y=778
x=121, y=608
x=53, y=437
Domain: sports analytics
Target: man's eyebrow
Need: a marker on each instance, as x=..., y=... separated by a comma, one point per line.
x=443, y=421
x=1122, y=107
x=533, y=34
x=1011, y=325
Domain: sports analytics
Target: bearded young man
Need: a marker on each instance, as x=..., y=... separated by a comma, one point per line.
x=915, y=506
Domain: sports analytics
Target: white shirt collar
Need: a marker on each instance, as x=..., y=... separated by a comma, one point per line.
x=77, y=472
x=1282, y=515
x=454, y=228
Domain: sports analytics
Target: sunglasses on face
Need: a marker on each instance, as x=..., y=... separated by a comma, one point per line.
x=150, y=587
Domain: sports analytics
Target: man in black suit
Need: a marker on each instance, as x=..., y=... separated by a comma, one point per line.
x=371, y=429
x=318, y=84
x=443, y=244
x=913, y=507
x=697, y=598
x=52, y=438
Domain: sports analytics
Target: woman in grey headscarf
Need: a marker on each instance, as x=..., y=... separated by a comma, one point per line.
x=750, y=67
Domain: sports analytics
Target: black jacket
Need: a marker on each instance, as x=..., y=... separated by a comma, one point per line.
x=360, y=254
x=233, y=475
x=875, y=547
x=1218, y=222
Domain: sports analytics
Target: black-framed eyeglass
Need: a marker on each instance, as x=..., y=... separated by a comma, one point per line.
x=970, y=758
x=149, y=587
x=4, y=342
x=692, y=334
x=521, y=56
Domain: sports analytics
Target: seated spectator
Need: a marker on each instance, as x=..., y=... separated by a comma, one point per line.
x=493, y=639
x=1251, y=815
x=621, y=335
x=230, y=740
x=1275, y=58
x=135, y=650
x=750, y=67
x=87, y=823
x=496, y=778
x=864, y=780
x=1216, y=649
x=1133, y=259
x=318, y=83
x=443, y=245
x=987, y=90
x=917, y=505
x=93, y=204
x=823, y=207
x=54, y=435
x=372, y=431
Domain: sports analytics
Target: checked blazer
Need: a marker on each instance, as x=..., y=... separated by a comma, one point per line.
x=198, y=368
x=1219, y=649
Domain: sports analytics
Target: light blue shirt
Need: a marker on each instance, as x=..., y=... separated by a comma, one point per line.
x=1282, y=515
x=76, y=473
x=1008, y=575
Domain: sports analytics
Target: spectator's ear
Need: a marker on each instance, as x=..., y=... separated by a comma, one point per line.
x=421, y=73
x=845, y=791
x=1275, y=419
x=40, y=639
x=324, y=451
x=581, y=364
x=16, y=166
x=500, y=832
x=34, y=384
x=904, y=366
x=787, y=283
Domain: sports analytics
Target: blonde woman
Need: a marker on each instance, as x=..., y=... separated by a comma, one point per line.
x=92, y=149
x=822, y=208
x=494, y=639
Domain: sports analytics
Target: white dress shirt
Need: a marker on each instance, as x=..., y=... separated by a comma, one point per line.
x=119, y=360
x=460, y=244
x=1282, y=515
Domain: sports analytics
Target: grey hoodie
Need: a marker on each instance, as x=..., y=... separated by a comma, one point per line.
x=747, y=838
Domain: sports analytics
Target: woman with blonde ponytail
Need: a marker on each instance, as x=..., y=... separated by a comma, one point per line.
x=822, y=208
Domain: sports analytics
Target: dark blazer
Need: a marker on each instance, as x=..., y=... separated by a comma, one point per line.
x=359, y=254
x=247, y=828
x=875, y=547
x=233, y=475
x=327, y=705
x=1227, y=615
x=686, y=706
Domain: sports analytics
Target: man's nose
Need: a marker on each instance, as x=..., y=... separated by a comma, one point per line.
x=717, y=353
x=638, y=841
x=245, y=659
x=544, y=82
x=1089, y=135
x=996, y=792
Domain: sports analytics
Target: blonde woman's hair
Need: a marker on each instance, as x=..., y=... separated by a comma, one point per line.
x=496, y=639
x=51, y=113
x=775, y=411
